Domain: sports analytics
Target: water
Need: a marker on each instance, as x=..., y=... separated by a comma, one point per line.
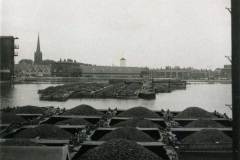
x=208, y=96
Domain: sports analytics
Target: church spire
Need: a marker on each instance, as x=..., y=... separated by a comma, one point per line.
x=38, y=53
x=38, y=44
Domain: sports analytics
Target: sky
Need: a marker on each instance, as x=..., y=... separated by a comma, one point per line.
x=152, y=33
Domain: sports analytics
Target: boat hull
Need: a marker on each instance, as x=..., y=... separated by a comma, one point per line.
x=147, y=95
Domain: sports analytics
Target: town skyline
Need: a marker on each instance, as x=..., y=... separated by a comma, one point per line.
x=38, y=51
x=146, y=36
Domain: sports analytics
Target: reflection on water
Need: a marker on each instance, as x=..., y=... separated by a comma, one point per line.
x=208, y=96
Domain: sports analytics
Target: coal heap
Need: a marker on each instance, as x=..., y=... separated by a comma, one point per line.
x=119, y=149
x=84, y=110
x=7, y=118
x=74, y=121
x=140, y=112
x=45, y=131
x=204, y=123
x=30, y=110
x=137, y=122
x=195, y=112
x=19, y=142
x=207, y=136
x=128, y=133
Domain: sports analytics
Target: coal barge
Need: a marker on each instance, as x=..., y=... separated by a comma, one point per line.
x=116, y=89
x=161, y=134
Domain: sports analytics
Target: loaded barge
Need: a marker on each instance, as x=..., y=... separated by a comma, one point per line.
x=169, y=131
x=113, y=89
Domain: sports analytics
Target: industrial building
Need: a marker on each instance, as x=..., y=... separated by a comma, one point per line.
x=7, y=53
x=69, y=68
x=66, y=69
x=182, y=73
x=112, y=71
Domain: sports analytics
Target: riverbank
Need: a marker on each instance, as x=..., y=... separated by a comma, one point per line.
x=210, y=81
x=68, y=79
x=103, y=79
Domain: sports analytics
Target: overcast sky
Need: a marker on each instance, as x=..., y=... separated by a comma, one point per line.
x=153, y=33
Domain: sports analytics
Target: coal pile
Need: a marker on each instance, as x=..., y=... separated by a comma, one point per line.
x=74, y=121
x=119, y=149
x=137, y=122
x=84, y=110
x=30, y=110
x=19, y=142
x=45, y=131
x=204, y=123
x=7, y=118
x=128, y=133
x=207, y=136
x=195, y=112
x=140, y=112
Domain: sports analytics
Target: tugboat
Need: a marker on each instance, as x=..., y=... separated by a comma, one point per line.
x=147, y=94
x=147, y=91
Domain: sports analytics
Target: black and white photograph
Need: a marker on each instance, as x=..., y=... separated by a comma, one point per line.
x=120, y=80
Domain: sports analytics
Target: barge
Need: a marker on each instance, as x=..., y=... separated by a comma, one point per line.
x=117, y=90
x=147, y=91
x=105, y=123
x=147, y=94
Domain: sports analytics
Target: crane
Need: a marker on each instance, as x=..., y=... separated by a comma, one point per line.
x=229, y=106
x=229, y=9
x=229, y=58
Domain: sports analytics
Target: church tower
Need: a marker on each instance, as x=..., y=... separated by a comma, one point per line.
x=38, y=53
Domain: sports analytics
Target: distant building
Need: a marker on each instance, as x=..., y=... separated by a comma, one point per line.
x=7, y=53
x=48, y=62
x=38, y=53
x=182, y=73
x=112, y=71
x=36, y=68
x=226, y=72
x=169, y=72
x=32, y=70
x=122, y=62
x=70, y=68
x=25, y=61
x=66, y=68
